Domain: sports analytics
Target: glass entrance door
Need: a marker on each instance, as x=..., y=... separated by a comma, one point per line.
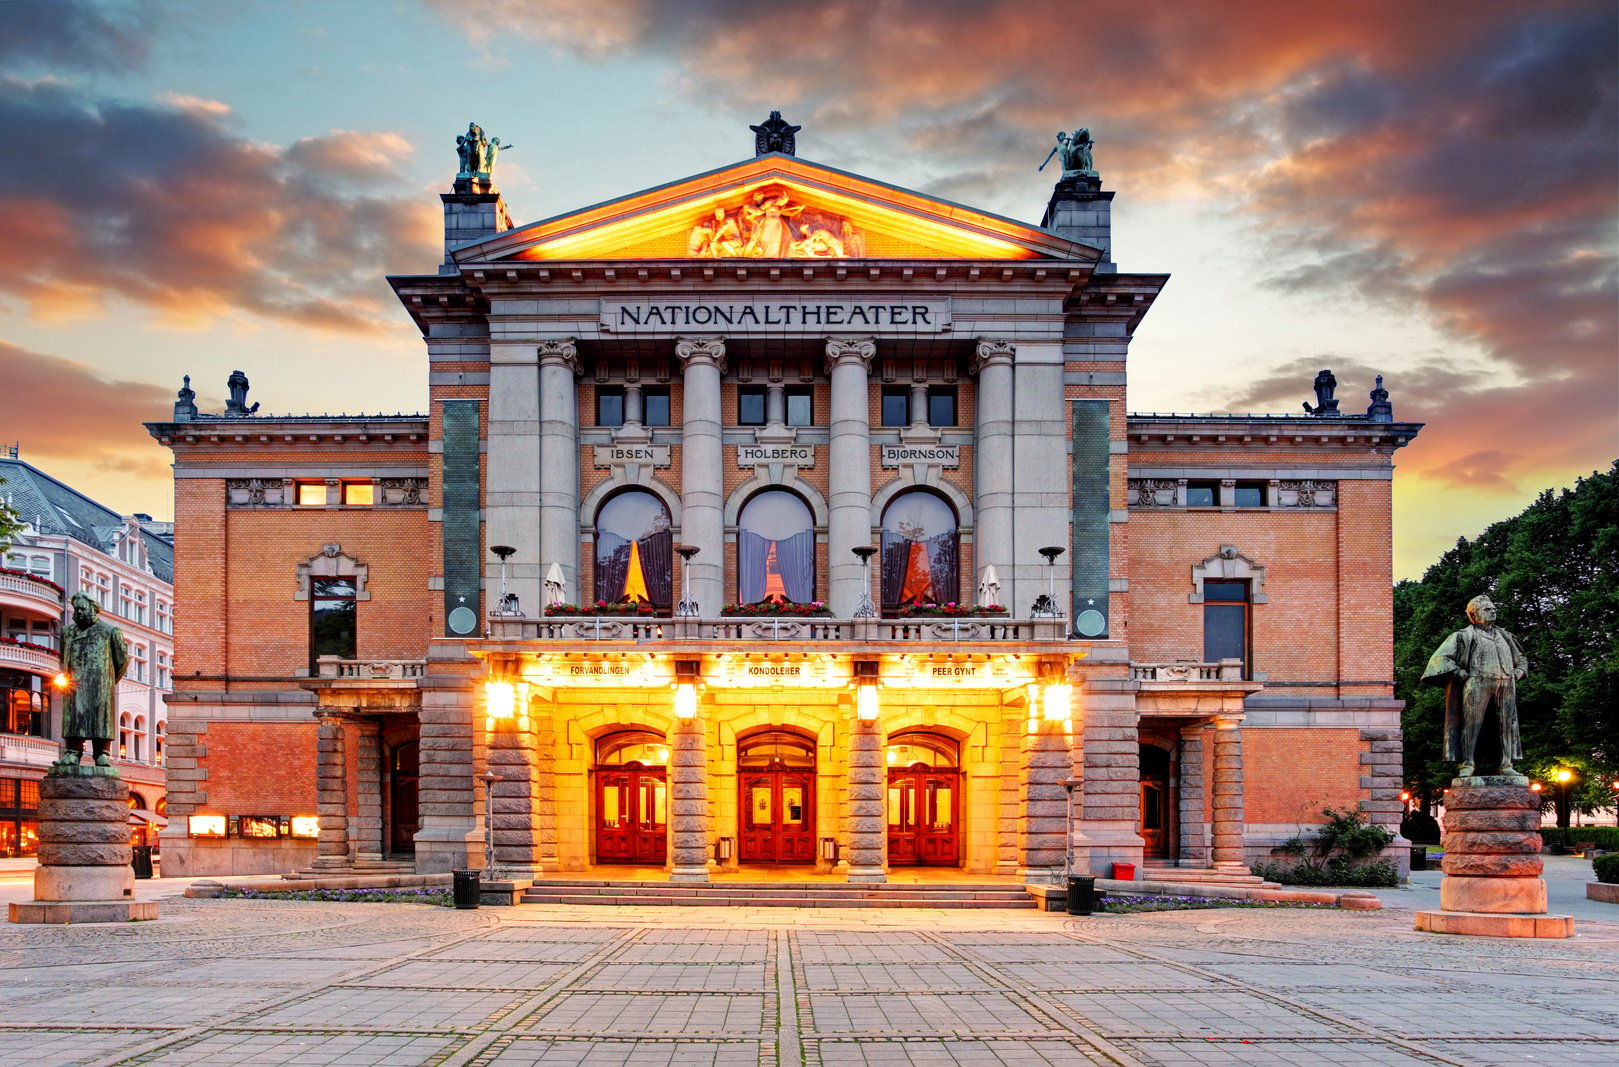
x=923, y=816
x=777, y=818
x=632, y=815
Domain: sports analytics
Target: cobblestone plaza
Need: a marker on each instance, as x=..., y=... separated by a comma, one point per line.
x=228, y=982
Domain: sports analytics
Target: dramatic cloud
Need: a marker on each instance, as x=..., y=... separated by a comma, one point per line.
x=66, y=412
x=74, y=35
x=1452, y=159
x=161, y=205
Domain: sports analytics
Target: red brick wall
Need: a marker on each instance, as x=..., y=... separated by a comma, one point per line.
x=260, y=768
x=1289, y=775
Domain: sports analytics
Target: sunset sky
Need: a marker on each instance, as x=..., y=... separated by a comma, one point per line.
x=1424, y=189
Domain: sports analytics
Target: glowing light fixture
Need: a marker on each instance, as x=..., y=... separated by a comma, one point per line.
x=1057, y=702
x=687, y=673
x=1564, y=775
x=866, y=674
x=305, y=826
x=62, y=680
x=1534, y=787
x=502, y=699
x=205, y=825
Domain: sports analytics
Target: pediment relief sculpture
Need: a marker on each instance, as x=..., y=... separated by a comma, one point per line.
x=772, y=225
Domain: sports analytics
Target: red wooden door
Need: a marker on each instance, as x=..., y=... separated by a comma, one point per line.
x=631, y=816
x=778, y=824
x=924, y=815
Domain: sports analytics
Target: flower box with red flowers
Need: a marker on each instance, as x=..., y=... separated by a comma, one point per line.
x=639, y=609
x=775, y=607
x=951, y=610
x=20, y=643
x=33, y=578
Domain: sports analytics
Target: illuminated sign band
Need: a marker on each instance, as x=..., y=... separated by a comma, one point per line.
x=786, y=316
x=600, y=673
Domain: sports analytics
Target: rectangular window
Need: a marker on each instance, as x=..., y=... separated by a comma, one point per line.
x=750, y=405
x=126, y=602
x=165, y=620
x=1225, y=622
x=163, y=680
x=140, y=606
x=137, y=662
x=609, y=406
x=333, y=609
x=1202, y=494
x=655, y=407
x=311, y=494
x=800, y=405
x=16, y=561
x=896, y=405
x=359, y=494
x=942, y=405
x=1249, y=495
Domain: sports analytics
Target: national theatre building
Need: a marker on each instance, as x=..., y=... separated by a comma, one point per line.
x=777, y=517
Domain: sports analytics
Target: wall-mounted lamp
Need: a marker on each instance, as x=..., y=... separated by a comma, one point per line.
x=865, y=609
x=500, y=699
x=1057, y=702
x=508, y=601
x=687, y=608
x=1045, y=607
x=866, y=680
x=687, y=675
x=63, y=681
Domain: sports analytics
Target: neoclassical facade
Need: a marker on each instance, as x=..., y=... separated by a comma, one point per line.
x=778, y=517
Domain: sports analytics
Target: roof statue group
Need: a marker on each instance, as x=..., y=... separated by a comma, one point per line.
x=476, y=152
x=772, y=225
x=1073, y=151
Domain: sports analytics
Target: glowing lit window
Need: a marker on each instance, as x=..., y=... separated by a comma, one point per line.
x=921, y=553
x=305, y=826
x=359, y=494
x=206, y=825
x=311, y=494
x=775, y=549
x=634, y=551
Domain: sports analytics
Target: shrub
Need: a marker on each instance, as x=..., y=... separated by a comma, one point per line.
x=1607, y=867
x=1341, y=853
x=1604, y=837
x=1124, y=905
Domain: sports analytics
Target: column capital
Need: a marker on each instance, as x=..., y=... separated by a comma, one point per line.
x=1229, y=722
x=563, y=353
x=993, y=352
x=698, y=351
x=842, y=351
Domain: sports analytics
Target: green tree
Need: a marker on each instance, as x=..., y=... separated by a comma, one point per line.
x=9, y=522
x=1553, y=571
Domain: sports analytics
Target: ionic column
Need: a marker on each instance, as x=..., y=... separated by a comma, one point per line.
x=1227, y=814
x=559, y=461
x=331, y=792
x=368, y=790
x=868, y=823
x=702, y=470
x=849, y=524
x=992, y=463
x=688, y=801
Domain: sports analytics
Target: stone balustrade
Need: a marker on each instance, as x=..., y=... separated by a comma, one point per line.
x=812, y=628
x=31, y=751
x=394, y=670
x=1225, y=670
x=36, y=660
x=31, y=590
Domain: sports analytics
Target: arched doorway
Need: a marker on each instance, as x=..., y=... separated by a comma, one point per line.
x=776, y=777
x=1155, y=801
x=924, y=800
x=404, y=816
x=632, y=798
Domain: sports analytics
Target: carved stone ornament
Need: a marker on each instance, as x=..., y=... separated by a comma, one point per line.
x=772, y=225
x=1306, y=494
x=403, y=492
x=775, y=134
x=701, y=350
x=255, y=493
x=563, y=352
x=850, y=349
x=1152, y=492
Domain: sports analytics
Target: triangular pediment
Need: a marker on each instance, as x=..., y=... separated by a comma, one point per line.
x=775, y=207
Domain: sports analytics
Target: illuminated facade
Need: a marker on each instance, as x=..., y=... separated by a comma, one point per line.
x=778, y=517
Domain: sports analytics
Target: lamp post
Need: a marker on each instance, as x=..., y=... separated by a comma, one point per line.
x=865, y=609
x=508, y=601
x=489, y=869
x=1564, y=778
x=687, y=608
x=1046, y=606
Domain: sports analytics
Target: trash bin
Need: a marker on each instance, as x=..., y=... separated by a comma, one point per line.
x=1124, y=872
x=466, y=889
x=140, y=858
x=1081, y=895
x=1419, y=857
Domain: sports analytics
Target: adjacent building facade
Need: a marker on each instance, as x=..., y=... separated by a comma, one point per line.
x=777, y=517
x=70, y=544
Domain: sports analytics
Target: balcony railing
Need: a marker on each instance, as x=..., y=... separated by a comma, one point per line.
x=29, y=659
x=40, y=592
x=30, y=751
x=809, y=629
x=1225, y=670
x=369, y=670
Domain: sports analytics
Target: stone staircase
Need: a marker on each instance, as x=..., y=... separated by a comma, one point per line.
x=728, y=894
x=1202, y=876
x=352, y=869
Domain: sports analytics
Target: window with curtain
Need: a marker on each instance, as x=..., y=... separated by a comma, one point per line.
x=775, y=549
x=920, y=557
x=634, y=551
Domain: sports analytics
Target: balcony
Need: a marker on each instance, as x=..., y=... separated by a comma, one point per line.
x=29, y=658
x=28, y=751
x=802, y=629
x=1184, y=672
x=18, y=590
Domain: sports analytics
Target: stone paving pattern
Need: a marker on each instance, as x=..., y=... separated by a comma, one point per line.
x=220, y=983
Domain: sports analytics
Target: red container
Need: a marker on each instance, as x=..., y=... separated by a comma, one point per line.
x=1124, y=872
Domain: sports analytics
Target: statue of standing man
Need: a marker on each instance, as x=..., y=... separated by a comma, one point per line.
x=1479, y=668
x=94, y=657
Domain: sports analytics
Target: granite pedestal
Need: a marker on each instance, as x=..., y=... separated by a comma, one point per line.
x=1492, y=885
x=84, y=873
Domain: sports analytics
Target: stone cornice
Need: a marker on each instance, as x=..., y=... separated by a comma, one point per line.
x=1191, y=432
x=384, y=431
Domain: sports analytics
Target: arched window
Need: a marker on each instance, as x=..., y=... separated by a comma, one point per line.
x=775, y=549
x=126, y=736
x=645, y=747
x=921, y=558
x=933, y=751
x=634, y=550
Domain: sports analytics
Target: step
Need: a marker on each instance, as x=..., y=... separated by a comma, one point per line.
x=778, y=894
